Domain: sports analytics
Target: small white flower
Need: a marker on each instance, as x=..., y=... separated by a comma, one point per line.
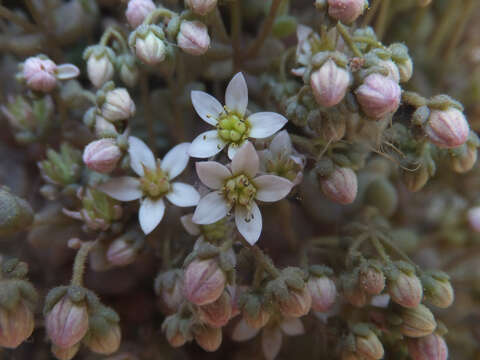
x=237, y=188
x=233, y=126
x=154, y=182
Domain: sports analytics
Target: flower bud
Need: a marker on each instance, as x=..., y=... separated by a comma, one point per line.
x=340, y=186
x=122, y=251
x=355, y=296
x=330, y=83
x=40, y=74
x=16, y=214
x=193, y=37
x=100, y=60
x=16, y=325
x=417, y=322
x=378, y=96
x=447, y=128
x=67, y=322
x=128, y=69
x=169, y=289
x=204, y=281
x=102, y=155
x=104, y=341
x=201, y=7
x=346, y=11
x=217, y=313
x=148, y=44
x=372, y=280
x=416, y=179
x=431, y=347
x=137, y=11
x=118, y=105
x=474, y=218
x=297, y=303
x=323, y=292
x=405, y=69
x=209, y=338
x=259, y=320
x=369, y=346
x=464, y=160
x=65, y=353
x=406, y=289
x=438, y=289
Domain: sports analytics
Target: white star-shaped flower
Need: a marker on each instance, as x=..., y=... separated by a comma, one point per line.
x=237, y=188
x=154, y=182
x=233, y=127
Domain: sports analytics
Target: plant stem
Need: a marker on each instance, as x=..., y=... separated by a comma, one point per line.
x=235, y=28
x=468, y=11
x=157, y=13
x=17, y=19
x=386, y=241
x=348, y=39
x=353, y=249
x=80, y=261
x=380, y=249
x=147, y=110
x=442, y=29
x=265, y=262
x=382, y=20
x=219, y=26
x=111, y=32
x=371, y=12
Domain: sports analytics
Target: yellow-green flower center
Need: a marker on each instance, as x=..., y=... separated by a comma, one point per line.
x=215, y=231
x=154, y=182
x=283, y=166
x=239, y=190
x=233, y=128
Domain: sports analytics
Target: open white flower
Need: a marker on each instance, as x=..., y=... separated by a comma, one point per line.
x=237, y=188
x=233, y=127
x=154, y=182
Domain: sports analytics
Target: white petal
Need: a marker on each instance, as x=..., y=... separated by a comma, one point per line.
x=271, y=342
x=265, y=124
x=212, y=173
x=125, y=188
x=176, y=160
x=183, y=195
x=210, y=209
x=303, y=32
x=150, y=214
x=281, y=143
x=271, y=187
x=140, y=154
x=243, y=332
x=206, y=106
x=249, y=224
x=292, y=326
x=246, y=160
x=206, y=144
x=236, y=95
x=189, y=225
x=232, y=150
x=66, y=71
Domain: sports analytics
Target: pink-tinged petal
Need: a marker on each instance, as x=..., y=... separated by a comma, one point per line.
x=183, y=195
x=292, y=326
x=281, y=143
x=140, y=154
x=124, y=188
x=232, y=150
x=210, y=209
x=271, y=342
x=246, y=160
x=206, y=106
x=176, y=160
x=249, y=223
x=265, y=124
x=189, y=225
x=212, y=173
x=236, y=95
x=206, y=144
x=243, y=332
x=271, y=187
x=66, y=72
x=150, y=214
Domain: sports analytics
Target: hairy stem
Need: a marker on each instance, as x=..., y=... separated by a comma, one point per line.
x=80, y=261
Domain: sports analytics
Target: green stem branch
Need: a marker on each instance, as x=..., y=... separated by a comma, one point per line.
x=342, y=29
x=80, y=261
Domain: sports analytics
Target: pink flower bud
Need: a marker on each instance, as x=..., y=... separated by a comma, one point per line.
x=347, y=11
x=329, y=83
x=208, y=338
x=67, y=322
x=430, y=347
x=151, y=49
x=169, y=289
x=137, y=11
x=323, y=291
x=40, y=74
x=372, y=280
x=105, y=342
x=204, y=282
x=340, y=186
x=16, y=325
x=417, y=322
x=102, y=155
x=65, y=353
x=201, y=7
x=447, y=128
x=297, y=304
x=406, y=290
x=474, y=218
x=217, y=313
x=100, y=68
x=193, y=37
x=378, y=96
x=118, y=105
x=392, y=68
x=121, y=252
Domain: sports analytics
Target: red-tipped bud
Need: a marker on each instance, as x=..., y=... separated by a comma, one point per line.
x=330, y=83
x=209, y=338
x=347, y=11
x=118, y=105
x=340, y=186
x=323, y=292
x=406, y=289
x=102, y=155
x=431, y=347
x=378, y=96
x=417, y=322
x=201, y=7
x=67, y=322
x=204, y=282
x=193, y=37
x=16, y=325
x=447, y=128
x=297, y=304
x=218, y=313
x=137, y=11
x=40, y=74
x=372, y=280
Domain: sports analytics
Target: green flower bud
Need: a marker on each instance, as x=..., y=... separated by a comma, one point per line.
x=15, y=213
x=417, y=322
